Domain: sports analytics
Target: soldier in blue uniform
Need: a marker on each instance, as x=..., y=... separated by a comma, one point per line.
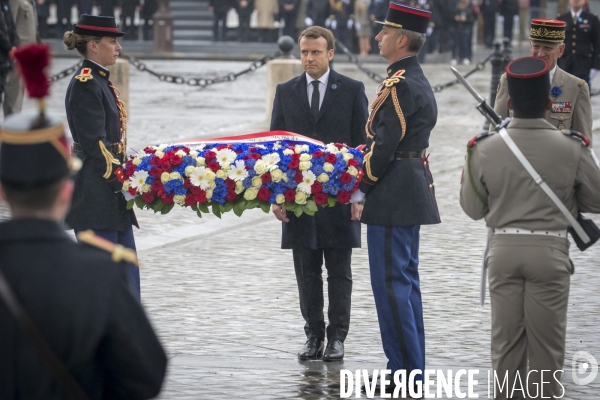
x=399, y=190
x=98, y=123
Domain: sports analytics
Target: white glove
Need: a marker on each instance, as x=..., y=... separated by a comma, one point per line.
x=593, y=73
x=328, y=22
x=357, y=26
x=127, y=195
x=349, y=24
x=429, y=31
x=357, y=197
x=333, y=25
x=308, y=21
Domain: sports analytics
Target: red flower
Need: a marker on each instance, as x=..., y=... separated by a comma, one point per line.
x=298, y=177
x=316, y=187
x=331, y=158
x=154, y=161
x=343, y=197
x=130, y=170
x=148, y=197
x=195, y=190
x=296, y=156
x=353, y=162
x=166, y=166
x=264, y=194
x=231, y=197
x=255, y=156
x=214, y=166
x=157, y=186
x=200, y=196
x=338, y=145
x=321, y=198
x=156, y=172
x=187, y=184
x=209, y=155
x=221, y=147
x=345, y=178
x=132, y=191
x=317, y=154
x=266, y=178
x=290, y=195
x=168, y=198
x=293, y=164
x=175, y=159
x=149, y=150
x=190, y=199
x=230, y=184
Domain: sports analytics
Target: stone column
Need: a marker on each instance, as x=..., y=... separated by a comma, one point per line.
x=119, y=76
x=281, y=70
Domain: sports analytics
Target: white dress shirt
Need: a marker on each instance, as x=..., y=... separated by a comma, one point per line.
x=322, y=87
x=576, y=14
x=551, y=73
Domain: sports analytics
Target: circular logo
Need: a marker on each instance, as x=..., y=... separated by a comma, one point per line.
x=585, y=368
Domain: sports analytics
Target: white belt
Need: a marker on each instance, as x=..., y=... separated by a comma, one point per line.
x=521, y=231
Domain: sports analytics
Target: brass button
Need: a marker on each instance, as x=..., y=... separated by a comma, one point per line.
x=573, y=51
x=430, y=186
x=574, y=44
x=574, y=36
x=585, y=30
x=574, y=29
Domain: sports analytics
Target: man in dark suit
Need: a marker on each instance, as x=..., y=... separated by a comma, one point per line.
x=76, y=295
x=582, y=42
x=399, y=188
x=288, y=9
x=330, y=107
x=220, y=8
x=318, y=11
x=244, y=8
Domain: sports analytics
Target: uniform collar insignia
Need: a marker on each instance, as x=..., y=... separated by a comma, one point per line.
x=85, y=75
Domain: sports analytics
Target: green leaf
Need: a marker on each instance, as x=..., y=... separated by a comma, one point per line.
x=199, y=213
x=298, y=211
x=291, y=206
x=227, y=207
x=331, y=201
x=216, y=209
x=130, y=204
x=309, y=212
x=194, y=207
x=157, y=205
x=237, y=209
x=265, y=207
x=203, y=207
x=139, y=202
x=166, y=208
x=311, y=206
x=254, y=203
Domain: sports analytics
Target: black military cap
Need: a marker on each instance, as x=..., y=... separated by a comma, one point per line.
x=527, y=77
x=547, y=30
x=34, y=151
x=97, y=26
x=405, y=17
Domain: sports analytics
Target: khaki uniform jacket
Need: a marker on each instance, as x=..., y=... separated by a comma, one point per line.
x=495, y=186
x=574, y=90
x=265, y=10
x=25, y=16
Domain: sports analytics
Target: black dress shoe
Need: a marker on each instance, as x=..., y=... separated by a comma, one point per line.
x=334, y=351
x=312, y=349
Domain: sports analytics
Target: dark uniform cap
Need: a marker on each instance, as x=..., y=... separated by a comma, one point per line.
x=404, y=17
x=93, y=25
x=527, y=77
x=34, y=152
x=547, y=30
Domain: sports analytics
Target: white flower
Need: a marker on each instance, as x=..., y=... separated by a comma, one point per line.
x=221, y=174
x=126, y=185
x=301, y=148
x=136, y=161
x=305, y=157
x=209, y=194
x=173, y=176
x=201, y=177
x=256, y=182
x=323, y=177
x=300, y=198
x=225, y=156
x=328, y=167
x=332, y=148
x=308, y=178
x=352, y=171
x=238, y=171
x=288, y=152
x=161, y=147
x=280, y=199
x=225, y=166
x=179, y=199
x=276, y=175
x=159, y=154
x=304, y=165
x=260, y=167
x=194, y=153
x=165, y=177
x=250, y=193
x=189, y=170
x=138, y=179
x=180, y=153
x=239, y=187
x=347, y=156
x=271, y=160
x=344, y=150
x=200, y=162
x=146, y=188
x=277, y=146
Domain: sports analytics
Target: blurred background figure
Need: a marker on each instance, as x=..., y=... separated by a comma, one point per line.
x=84, y=6
x=265, y=21
x=462, y=31
x=9, y=40
x=301, y=16
x=63, y=16
x=341, y=21
x=509, y=9
x=244, y=8
x=128, y=9
x=107, y=8
x=489, y=8
x=24, y=15
x=377, y=12
x=364, y=31
x=288, y=9
x=148, y=10
x=43, y=12
x=317, y=11
x=220, y=8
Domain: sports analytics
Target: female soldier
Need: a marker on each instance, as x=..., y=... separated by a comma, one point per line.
x=97, y=120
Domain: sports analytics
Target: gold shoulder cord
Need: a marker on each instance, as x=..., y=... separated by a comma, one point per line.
x=122, y=117
x=383, y=92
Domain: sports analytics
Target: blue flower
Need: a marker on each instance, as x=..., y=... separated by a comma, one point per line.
x=555, y=91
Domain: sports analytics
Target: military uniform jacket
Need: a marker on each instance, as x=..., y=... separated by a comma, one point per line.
x=80, y=301
x=341, y=119
x=496, y=186
x=571, y=109
x=401, y=192
x=94, y=121
x=582, y=43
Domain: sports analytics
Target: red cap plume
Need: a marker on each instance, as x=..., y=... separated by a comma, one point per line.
x=33, y=60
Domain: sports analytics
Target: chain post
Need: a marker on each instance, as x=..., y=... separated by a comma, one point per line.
x=497, y=62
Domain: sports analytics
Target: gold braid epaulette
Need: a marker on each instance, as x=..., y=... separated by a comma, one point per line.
x=117, y=251
x=383, y=92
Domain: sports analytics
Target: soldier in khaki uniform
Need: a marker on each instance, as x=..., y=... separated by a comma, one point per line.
x=25, y=16
x=528, y=259
x=571, y=106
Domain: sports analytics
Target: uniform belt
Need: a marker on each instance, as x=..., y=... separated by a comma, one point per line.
x=520, y=231
x=116, y=148
x=401, y=155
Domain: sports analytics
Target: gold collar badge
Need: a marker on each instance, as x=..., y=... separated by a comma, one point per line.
x=85, y=75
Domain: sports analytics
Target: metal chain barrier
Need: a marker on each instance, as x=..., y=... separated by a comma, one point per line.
x=201, y=81
x=353, y=59
x=65, y=73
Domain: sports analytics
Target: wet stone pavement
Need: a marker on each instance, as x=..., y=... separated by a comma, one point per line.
x=223, y=296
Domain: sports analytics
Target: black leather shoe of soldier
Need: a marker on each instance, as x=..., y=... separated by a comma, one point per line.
x=312, y=349
x=334, y=351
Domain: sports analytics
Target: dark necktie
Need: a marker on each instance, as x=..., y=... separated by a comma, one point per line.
x=316, y=98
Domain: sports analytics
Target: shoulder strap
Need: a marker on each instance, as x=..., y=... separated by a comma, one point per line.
x=538, y=180
x=58, y=369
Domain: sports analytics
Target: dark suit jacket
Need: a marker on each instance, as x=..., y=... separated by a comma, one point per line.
x=80, y=301
x=582, y=44
x=8, y=36
x=342, y=119
x=94, y=121
x=401, y=192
